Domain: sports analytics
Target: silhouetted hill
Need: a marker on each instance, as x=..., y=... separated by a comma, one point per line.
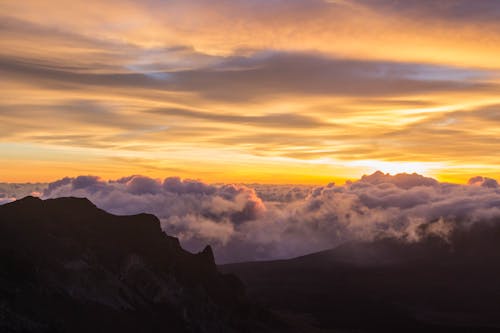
x=388, y=285
x=67, y=266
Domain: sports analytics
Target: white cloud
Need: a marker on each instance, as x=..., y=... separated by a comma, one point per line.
x=293, y=220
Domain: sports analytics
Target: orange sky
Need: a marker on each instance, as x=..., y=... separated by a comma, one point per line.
x=249, y=91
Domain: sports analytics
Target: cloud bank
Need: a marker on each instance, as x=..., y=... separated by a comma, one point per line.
x=257, y=222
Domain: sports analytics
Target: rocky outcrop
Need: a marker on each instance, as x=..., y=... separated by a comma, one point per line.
x=68, y=266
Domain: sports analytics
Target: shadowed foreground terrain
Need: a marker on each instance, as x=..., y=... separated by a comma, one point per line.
x=67, y=266
x=388, y=285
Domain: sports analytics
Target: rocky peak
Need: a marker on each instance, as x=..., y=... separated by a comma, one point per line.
x=70, y=265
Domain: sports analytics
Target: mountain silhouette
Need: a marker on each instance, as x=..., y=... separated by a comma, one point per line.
x=68, y=266
x=433, y=285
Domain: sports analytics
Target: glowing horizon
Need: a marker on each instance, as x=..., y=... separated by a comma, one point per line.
x=303, y=91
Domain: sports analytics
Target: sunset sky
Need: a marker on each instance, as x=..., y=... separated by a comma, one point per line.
x=263, y=91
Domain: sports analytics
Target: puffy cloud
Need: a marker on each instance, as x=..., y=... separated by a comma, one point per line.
x=403, y=180
x=87, y=182
x=196, y=212
x=176, y=185
x=143, y=185
x=405, y=206
x=282, y=193
x=483, y=181
x=249, y=222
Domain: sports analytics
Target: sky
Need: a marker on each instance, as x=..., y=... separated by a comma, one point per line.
x=267, y=91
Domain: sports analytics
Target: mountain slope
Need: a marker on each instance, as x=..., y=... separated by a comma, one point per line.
x=388, y=284
x=68, y=266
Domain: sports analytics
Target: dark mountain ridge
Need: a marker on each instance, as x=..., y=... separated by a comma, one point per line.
x=68, y=266
x=436, y=284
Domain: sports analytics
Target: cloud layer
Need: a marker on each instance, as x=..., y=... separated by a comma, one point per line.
x=255, y=222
